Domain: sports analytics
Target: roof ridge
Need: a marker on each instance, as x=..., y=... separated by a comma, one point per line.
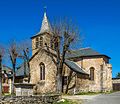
x=85, y=48
x=82, y=48
x=75, y=67
x=78, y=65
x=89, y=48
x=6, y=66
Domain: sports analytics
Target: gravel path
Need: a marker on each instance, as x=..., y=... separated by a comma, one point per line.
x=80, y=98
x=113, y=98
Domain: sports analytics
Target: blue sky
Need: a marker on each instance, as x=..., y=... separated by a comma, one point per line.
x=98, y=20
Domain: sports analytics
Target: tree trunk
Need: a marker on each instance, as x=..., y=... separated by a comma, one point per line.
x=28, y=71
x=13, y=79
x=24, y=67
x=69, y=80
x=59, y=83
x=0, y=76
x=26, y=55
x=66, y=91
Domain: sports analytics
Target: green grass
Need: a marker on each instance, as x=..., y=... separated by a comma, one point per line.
x=94, y=93
x=6, y=94
x=88, y=93
x=108, y=92
x=69, y=102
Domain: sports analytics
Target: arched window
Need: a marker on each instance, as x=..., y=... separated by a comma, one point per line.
x=37, y=42
x=92, y=69
x=41, y=41
x=42, y=71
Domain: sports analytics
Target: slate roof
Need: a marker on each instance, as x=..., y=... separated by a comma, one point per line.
x=78, y=53
x=6, y=68
x=83, y=52
x=21, y=72
x=45, y=27
x=73, y=66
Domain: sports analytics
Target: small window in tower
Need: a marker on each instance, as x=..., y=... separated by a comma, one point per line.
x=37, y=42
x=37, y=39
x=41, y=41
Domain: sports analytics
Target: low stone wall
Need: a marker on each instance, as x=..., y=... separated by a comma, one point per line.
x=38, y=99
x=116, y=84
x=115, y=80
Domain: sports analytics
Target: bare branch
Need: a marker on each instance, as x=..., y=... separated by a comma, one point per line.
x=64, y=34
x=2, y=50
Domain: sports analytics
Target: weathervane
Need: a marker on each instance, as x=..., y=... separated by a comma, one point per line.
x=45, y=8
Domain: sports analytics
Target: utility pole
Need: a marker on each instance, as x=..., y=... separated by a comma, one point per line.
x=0, y=75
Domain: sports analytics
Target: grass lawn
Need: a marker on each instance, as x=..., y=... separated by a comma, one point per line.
x=69, y=102
x=88, y=93
x=94, y=93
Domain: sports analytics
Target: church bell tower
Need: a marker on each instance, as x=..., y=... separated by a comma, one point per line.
x=43, y=37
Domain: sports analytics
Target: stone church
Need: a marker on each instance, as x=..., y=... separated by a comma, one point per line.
x=90, y=69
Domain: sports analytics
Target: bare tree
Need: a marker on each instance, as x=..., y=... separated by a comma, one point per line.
x=1, y=56
x=70, y=77
x=24, y=48
x=13, y=54
x=25, y=57
x=64, y=35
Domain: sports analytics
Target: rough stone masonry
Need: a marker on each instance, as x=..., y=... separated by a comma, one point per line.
x=38, y=99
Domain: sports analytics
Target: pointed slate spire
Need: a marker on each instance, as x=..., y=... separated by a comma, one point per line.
x=45, y=27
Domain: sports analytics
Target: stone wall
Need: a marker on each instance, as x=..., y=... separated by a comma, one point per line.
x=46, y=40
x=34, y=50
x=82, y=83
x=106, y=80
x=115, y=80
x=43, y=99
x=102, y=75
x=47, y=85
x=87, y=63
x=116, y=84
